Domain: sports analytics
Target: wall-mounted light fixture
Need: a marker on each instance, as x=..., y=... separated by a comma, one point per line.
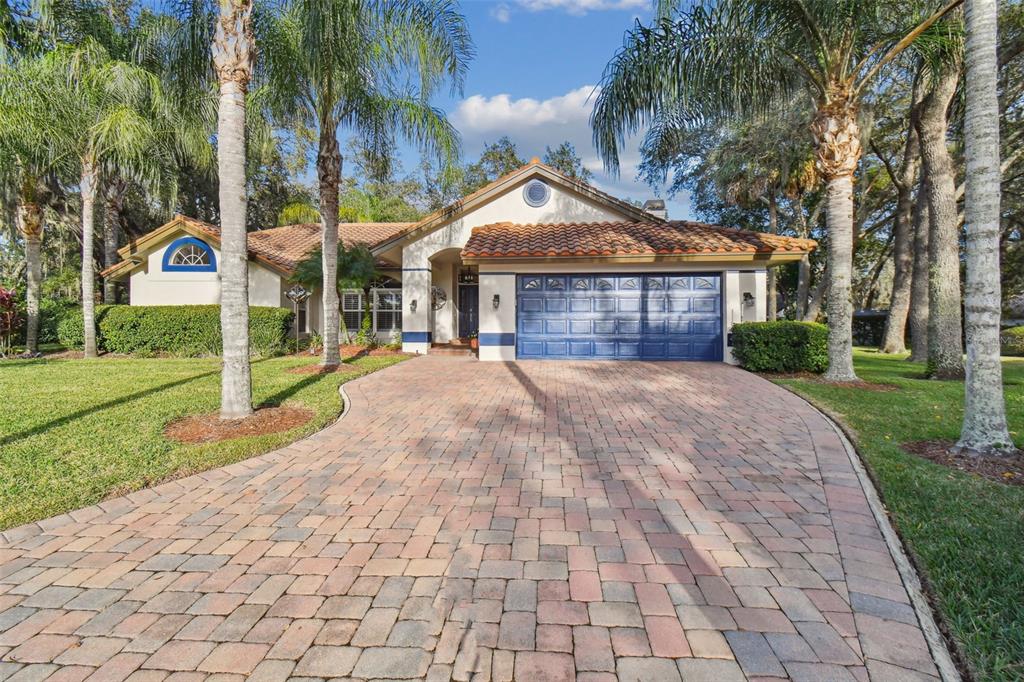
x=412, y=306
x=748, y=299
x=496, y=301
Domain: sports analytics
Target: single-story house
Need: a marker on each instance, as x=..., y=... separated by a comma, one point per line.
x=538, y=264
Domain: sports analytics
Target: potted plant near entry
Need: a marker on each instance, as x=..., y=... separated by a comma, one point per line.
x=474, y=340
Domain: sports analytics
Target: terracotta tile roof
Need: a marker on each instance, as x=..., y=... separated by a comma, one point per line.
x=508, y=240
x=282, y=248
x=287, y=246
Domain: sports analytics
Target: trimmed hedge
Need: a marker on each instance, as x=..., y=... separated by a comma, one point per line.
x=1012, y=341
x=781, y=346
x=185, y=330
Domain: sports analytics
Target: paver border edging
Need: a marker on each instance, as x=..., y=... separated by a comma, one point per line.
x=939, y=640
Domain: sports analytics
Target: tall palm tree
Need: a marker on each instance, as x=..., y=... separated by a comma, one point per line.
x=30, y=149
x=904, y=179
x=732, y=58
x=945, y=348
x=984, y=429
x=114, y=111
x=233, y=53
x=333, y=64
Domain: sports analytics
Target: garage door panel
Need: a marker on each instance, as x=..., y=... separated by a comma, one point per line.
x=531, y=304
x=584, y=327
x=528, y=326
x=581, y=349
x=670, y=316
x=556, y=348
x=705, y=305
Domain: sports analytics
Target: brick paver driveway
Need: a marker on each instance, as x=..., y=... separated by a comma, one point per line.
x=541, y=521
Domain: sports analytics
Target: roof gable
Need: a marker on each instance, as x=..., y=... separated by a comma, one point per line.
x=280, y=248
x=505, y=184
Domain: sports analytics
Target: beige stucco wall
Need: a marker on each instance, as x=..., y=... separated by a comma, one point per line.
x=419, y=273
x=150, y=285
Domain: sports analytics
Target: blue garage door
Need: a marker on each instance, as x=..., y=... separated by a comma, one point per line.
x=622, y=317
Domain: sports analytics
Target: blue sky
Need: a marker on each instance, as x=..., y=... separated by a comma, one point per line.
x=536, y=65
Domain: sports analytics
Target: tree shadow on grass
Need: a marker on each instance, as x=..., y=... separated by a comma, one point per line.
x=287, y=392
x=99, y=407
x=113, y=402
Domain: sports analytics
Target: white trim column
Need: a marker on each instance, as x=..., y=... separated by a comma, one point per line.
x=497, y=322
x=760, y=295
x=416, y=323
x=733, y=312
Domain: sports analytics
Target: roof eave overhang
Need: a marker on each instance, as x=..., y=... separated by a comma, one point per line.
x=762, y=258
x=498, y=188
x=134, y=253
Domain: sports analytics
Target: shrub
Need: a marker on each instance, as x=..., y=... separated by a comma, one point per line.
x=51, y=314
x=186, y=330
x=1012, y=341
x=782, y=346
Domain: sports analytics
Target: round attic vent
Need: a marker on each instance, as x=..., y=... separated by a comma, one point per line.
x=536, y=193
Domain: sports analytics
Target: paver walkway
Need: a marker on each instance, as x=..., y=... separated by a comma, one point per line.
x=535, y=521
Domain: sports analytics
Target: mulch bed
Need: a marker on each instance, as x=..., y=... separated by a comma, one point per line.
x=210, y=428
x=352, y=351
x=317, y=368
x=1009, y=470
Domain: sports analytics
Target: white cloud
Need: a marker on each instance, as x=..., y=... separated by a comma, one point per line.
x=501, y=12
x=533, y=125
x=582, y=6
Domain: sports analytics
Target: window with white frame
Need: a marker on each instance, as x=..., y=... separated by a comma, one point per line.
x=352, y=310
x=387, y=311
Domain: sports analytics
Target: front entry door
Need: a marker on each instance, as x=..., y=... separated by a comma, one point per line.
x=469, y=310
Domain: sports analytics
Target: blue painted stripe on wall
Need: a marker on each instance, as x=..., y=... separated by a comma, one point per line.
x=417, y=337
x=497, y=339
x=416, y=270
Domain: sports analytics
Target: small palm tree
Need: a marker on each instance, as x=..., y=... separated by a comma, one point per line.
x=984, y=429
x=329, y=64
x=742, y=58
x=354, y=268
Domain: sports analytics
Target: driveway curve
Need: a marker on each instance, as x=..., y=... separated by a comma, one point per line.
x=528, y=521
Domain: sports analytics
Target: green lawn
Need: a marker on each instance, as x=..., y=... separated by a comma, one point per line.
x=967, y=533
x=73, y=432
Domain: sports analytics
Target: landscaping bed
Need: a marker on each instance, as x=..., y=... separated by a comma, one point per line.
x=74, y=432
x=965, y=531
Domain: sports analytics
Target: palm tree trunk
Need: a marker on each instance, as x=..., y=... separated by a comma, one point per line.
x=88, y=188
x=917, y=316
x=984, y=429
x=945, y=347
x=894, y=336
x=232, y=55
x=817, y=298
x=803, y=279
x=111, y=235
x=328, y=167
x=30, y=224
x=838, y=149
x=773, y=289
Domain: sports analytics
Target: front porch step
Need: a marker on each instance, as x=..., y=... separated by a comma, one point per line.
x=453, y=348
